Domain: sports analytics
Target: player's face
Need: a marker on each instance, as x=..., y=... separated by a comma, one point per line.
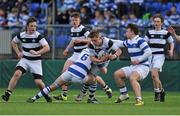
x=97, y=41
x=75, y=22
x=31, y=28
x=128, y=33
x=157, y=23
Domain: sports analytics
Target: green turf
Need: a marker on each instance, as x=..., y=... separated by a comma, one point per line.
x=17, y=105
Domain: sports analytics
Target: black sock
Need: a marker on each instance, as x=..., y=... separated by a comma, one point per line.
x=8, y=92
x=105, y=87
x=64, y=93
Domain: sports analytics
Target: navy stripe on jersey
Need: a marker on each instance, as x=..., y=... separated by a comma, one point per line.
x=77, y=73
x=80, y=44
x=29, y=40
x=144, y=61
x=28, y=49
x=145, y=47
x=157, y=45
x=79, y=34
x=136, y=54
x=82, y=66
x=32, y=58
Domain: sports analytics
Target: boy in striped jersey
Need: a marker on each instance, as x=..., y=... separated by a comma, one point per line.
x=30, y=57
x=157, y=40
x=139, y=52
x=76, y=73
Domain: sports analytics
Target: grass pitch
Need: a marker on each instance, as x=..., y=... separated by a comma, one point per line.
x=17, y=105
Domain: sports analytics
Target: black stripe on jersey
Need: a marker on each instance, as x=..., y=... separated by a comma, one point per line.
x=91, y=46
x=167, y=35
x=32, y=58
x=78, y=50
x=30, y=40
x=148, y=35
x=110, y=43
x=156, y=45
x=28, y=49
x=160, y=52
x=79, y=34
x=80, y=44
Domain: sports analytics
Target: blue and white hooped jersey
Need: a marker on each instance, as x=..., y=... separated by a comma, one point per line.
x=136, y=49
x=82, y=65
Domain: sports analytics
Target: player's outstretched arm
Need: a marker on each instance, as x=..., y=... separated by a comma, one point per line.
x=172, y=31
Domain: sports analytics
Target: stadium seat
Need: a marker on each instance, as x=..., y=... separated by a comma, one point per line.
x=44, y=5
x=34, y=7
x=169, y=5
x=178, y=7
x=61, y=41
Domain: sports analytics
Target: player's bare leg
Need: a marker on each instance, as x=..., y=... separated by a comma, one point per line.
x=158, y=89
x=12, y=84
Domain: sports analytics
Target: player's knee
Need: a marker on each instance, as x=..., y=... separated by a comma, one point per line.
x=118, y=74
x=104, y=70
x=155, y=77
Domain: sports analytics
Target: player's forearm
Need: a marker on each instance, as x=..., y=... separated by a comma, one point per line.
x=118, y=52
x=15, y=47
x=177, y=37
x=171, y=47
x=70, y=45
x=45, y=49
x=85, y=40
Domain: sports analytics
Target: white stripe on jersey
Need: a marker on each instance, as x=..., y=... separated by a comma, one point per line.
x=30, y=45
x=29, y=54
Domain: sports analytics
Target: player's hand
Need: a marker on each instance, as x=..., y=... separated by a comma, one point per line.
x=135, y=62
x=112, y=56
x=19, y=55
x=34, y=52
x=170, y=52
x=77, y=41
x=171, y=30
x=104, y=58
x=65, y=52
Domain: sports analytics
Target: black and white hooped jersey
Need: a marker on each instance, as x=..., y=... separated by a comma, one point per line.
x=107, y=47
x=157, y=40
x=30, y=42
x=82, y=65
x=79, y=33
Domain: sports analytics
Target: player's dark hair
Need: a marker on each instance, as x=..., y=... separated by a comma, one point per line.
x=158, y=16
x=75, y=15
x=133, y=28
x=31, y=19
